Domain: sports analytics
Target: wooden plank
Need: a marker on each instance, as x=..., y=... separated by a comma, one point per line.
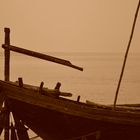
x=42, y=56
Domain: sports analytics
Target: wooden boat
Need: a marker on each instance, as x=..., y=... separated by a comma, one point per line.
x=57, y=118
x=53, y=117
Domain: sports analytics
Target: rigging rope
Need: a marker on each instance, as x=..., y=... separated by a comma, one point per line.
x=126, y=54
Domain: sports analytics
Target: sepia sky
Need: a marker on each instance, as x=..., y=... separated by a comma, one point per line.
x=70, y=25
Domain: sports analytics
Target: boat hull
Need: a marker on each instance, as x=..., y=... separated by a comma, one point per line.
x=57, y=118
x=54, y=125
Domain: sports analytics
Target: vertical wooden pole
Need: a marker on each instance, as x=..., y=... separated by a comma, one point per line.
x=78, y=98
x=7, y=122
x=126, y=54
x=7, y=54
x=7, y=75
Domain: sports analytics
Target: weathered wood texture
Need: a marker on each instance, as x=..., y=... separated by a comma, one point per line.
x=42, y=56
x=70, y=107
x=7, y=54
x=7, y=78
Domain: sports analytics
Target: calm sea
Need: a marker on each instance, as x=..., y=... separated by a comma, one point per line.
x=97, y=83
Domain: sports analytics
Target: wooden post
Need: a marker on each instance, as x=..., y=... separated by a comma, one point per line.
x=58, y=85
x=7, y=75
x=78, y=98
x=20, y=81
x=41, y=87
x=7, y=54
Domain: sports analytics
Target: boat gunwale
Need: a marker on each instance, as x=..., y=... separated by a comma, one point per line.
x=68, y=106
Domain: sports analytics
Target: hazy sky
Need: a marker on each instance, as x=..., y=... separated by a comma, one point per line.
x=70, y=25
